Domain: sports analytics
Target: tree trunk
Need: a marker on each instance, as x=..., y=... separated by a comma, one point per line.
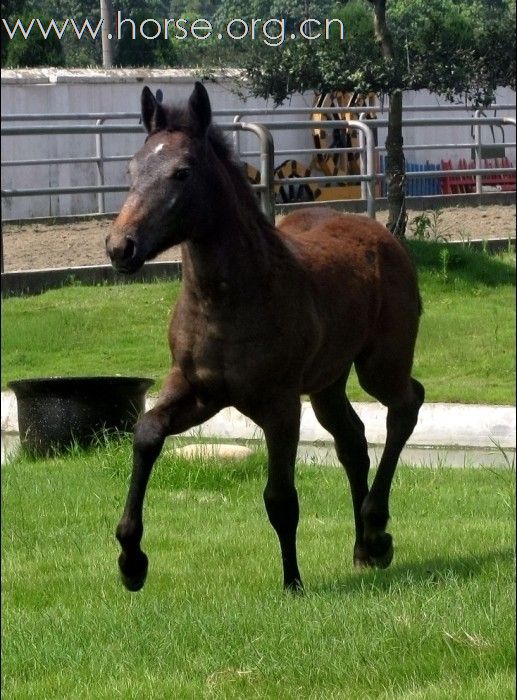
x=395, y=161
x=396, y=168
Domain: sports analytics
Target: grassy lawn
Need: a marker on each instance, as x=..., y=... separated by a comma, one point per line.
x=212, y=621
x=465, y=351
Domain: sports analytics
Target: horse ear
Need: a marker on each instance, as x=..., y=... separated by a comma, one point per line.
x=200, y=111
x=153, y=116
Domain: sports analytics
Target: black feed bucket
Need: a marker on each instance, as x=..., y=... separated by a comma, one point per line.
x=55, y=413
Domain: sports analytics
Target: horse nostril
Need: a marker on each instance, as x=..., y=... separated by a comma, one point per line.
x=121, y=250
x=129, y=249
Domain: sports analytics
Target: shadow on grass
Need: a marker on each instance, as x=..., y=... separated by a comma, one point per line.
x=438, y=571
x=461, y=262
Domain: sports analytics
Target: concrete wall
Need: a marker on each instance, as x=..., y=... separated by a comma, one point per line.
x=50, y=91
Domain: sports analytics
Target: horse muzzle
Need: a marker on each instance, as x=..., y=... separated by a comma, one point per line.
x=123, y=253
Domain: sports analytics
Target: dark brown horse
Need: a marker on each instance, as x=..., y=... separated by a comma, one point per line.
x=265, y=315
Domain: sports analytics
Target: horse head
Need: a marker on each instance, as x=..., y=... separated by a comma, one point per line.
x=170, y=181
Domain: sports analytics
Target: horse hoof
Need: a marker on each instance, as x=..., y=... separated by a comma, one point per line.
x=383, y=561
x=295, y=587
x=362, y=560
x=133, y=572
x=376, y=552
x=380, y=549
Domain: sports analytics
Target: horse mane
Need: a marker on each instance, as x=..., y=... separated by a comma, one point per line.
x=178, y=119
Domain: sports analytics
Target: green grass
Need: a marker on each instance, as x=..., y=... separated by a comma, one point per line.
x=466, y=346
x=465, y=350
x=212, y=621
x=88, y=330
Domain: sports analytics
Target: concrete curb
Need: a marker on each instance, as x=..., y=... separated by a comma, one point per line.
x=21, y=282
x=439, y=425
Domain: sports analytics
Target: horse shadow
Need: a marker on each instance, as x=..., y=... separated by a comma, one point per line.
x=439, y=571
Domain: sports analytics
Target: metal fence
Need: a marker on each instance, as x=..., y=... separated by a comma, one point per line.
x=476, y=123
x=367, y=149
x=266, y=154
x=368, y=177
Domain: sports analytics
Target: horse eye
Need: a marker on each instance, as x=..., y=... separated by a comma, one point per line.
x=181, y=174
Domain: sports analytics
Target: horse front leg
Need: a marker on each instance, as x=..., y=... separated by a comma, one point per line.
x=282, y=430
x=178, y=409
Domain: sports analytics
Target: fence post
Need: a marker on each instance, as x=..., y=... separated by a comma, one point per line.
x=99, y=154
x=267, y=171
x=370, y=165
x=477, y=151
x=236, y=137
x=362, y=146
x=267, y=159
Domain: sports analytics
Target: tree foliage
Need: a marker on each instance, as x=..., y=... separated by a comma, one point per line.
x=450, y=47
x=33, y=52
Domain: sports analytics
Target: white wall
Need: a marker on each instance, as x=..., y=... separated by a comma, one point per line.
x=453, y=134
x=50, y=91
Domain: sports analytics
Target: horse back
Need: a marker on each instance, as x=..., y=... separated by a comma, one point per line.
x=351, y=254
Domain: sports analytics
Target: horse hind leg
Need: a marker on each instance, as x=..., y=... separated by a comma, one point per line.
x=389, y=382
x=335, y=413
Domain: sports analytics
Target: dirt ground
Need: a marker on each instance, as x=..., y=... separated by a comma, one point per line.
x=37, y=246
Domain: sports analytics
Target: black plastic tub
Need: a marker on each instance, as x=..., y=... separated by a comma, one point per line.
x=57, y=412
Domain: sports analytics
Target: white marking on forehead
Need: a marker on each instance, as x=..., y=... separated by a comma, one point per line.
x=158, y=148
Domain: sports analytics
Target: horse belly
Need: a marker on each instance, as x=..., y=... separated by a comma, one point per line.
x=225, y=365
x=333, y=359
x=347, y=312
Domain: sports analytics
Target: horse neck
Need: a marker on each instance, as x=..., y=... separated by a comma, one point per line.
x=233, y=253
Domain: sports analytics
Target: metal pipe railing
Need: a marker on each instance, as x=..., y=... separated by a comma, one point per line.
x=265, y=189
x=353, y=149
x=383, y=123
x=264, y=111
x=99, y=155
x=52, y=161
x=251, y=154
x=47, y=129
x=457, y=172
x=267, y=158
x=251, y=111
x=366, y=149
